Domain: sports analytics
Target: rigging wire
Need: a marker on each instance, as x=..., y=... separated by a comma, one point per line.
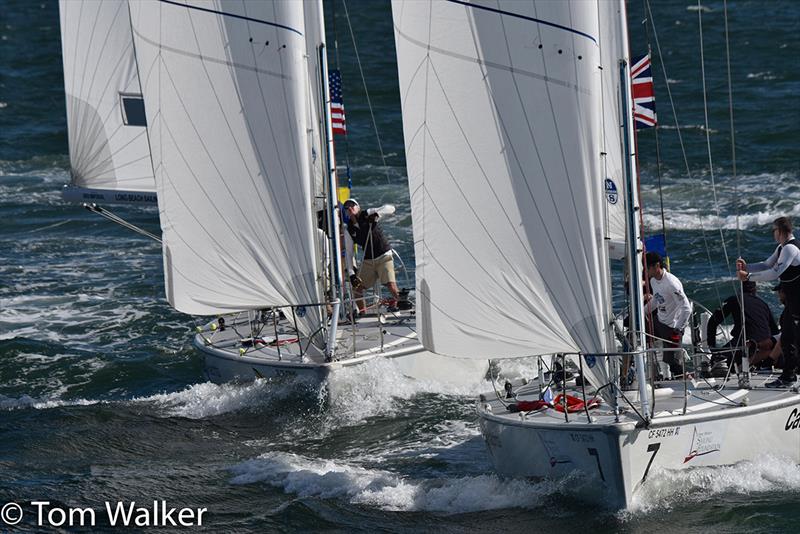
x=738, y=287
x=366, y=92
x=737, y=206
x=659, y=166
x=682, y=144
x=339, y=68
x=708, y=132
x=94, y=208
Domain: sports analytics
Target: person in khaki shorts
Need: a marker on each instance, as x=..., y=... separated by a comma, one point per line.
x=378, y=264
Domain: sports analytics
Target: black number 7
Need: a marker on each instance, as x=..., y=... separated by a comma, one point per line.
x=594, y=453
x=653, y=447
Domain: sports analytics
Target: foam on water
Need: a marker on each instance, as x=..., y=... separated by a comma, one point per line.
x=333, y=479
x=26, y=402
x=665, y=489
x=373, y=388
x=765, y=75
x=696, y=7
x=208, y=399
x=693, y=219
x=690, y=203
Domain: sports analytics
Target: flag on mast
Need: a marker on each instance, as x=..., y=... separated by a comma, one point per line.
x=644, y=99
x=337, y=106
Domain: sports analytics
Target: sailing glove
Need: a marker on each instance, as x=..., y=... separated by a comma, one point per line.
x=355, y=281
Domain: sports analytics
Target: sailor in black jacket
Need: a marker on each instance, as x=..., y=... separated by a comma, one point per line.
x=784, y=263
x=378, y=263
x=759, y=323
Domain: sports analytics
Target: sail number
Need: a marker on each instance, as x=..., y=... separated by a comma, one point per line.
x=658, y=433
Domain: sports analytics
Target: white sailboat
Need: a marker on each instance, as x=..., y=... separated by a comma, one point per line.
x=514, y=116
x=221, y=109
x=108, y=149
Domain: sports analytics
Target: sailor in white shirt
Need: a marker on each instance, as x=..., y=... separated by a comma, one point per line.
x=672, y=309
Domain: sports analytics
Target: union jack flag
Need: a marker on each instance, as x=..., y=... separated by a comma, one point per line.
x=337, y=106
x=644, y=98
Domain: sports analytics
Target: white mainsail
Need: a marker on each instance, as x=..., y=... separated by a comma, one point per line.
x=314, y=36
x=502, y=117
x=108, y=149
x=613, y=47
x=226, y=94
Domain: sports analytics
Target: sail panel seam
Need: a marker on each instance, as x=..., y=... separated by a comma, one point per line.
x=523, y=17
x=232, y=15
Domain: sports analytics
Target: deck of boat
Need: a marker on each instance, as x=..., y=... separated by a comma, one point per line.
x=696, y=398
x=372, y=334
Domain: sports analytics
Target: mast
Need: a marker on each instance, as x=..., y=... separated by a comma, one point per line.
x=633, y=234
x=335, y=250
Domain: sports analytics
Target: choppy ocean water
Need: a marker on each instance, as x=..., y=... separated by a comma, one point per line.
x=102, y=399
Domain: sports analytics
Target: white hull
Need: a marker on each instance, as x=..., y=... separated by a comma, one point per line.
x=618, y=457
x=225, y=361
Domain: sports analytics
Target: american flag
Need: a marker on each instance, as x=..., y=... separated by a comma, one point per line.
x=644, y=98
x=337, y=106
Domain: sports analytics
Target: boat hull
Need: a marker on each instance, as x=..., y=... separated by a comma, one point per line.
x=224, y=365
x=618, y=458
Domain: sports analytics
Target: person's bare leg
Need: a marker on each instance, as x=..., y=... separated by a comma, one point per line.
x=358, y=295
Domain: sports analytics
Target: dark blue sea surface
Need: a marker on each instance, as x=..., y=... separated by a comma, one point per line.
x=103, y=399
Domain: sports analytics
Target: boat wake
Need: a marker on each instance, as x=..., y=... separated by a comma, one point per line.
x=375, y=387
x=333, y=479
x=204, y=400
x=25, y=402
x=667, y=489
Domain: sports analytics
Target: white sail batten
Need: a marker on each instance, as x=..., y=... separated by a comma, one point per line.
x=108, y=148
x=226, y=94
x=502, y=121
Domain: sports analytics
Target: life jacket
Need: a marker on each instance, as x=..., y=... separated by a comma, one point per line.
x=368, y=235
x=792, y=273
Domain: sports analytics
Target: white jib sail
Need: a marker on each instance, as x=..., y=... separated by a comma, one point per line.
x=502, y=121
x=108, y=149
x=225, y=87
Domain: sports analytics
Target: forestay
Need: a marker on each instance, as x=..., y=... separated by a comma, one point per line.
x=226, y=89
x=502, y=117
x=109, y=154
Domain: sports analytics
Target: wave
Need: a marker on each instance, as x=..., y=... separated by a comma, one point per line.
x=333, y=479
x=692, y=202
x=695, y=219
x=765, y=75
x=666, y=489
x=204, y=400
x=343, y=480
x=26, y=402
x=684, y=127
x=375, y=387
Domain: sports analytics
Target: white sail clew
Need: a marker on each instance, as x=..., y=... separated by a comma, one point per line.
x=502, y=116
x=226, y=93
x=109, y=154
x=612, y=49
